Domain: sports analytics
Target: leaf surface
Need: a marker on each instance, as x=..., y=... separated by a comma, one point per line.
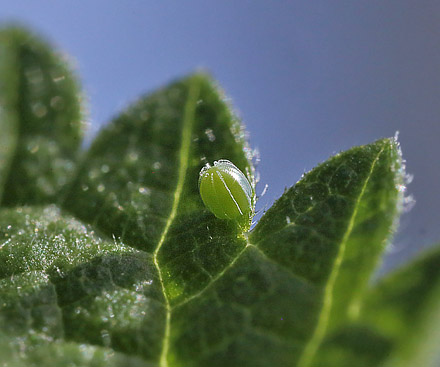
x=61, y=281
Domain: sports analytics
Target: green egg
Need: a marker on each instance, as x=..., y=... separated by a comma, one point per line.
x=227, y=192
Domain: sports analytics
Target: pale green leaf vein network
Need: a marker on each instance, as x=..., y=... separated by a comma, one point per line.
x=187, y=126
x=231, y=264
x=214, y=279
x=321, y=327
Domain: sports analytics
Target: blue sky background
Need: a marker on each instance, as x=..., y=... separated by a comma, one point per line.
x=309, y=78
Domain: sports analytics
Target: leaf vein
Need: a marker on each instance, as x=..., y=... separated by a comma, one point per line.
x=323, y=319
x=285, y=268
x=214, y=279
x=189, y=111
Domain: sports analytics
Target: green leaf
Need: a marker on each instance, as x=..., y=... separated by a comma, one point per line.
x=404, y=307
x=40, y=120
x=395, y=303
x=330, y=229
x=398, y=324
x=421, y=346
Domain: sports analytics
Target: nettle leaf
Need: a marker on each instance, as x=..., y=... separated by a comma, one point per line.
x=113, y=259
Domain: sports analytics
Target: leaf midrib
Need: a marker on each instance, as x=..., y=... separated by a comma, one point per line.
x=312, y=346
x=187, y=126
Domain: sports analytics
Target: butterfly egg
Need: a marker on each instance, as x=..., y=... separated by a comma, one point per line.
x=226, y=192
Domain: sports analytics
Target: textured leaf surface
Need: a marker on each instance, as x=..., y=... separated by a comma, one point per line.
x=59, y=280
x=40, y=120
x=329, y=229
x=127, y=267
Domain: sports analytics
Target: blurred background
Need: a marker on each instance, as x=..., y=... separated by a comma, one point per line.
x=308, y=78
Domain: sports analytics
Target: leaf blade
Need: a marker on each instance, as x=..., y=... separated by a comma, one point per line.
x=372, y=174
